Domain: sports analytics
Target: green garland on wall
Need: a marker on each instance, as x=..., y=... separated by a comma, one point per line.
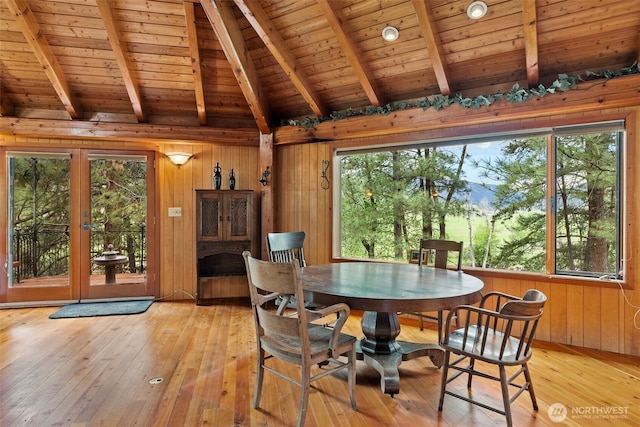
x=517, y=95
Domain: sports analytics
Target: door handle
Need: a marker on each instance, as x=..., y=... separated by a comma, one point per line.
x=86, y=226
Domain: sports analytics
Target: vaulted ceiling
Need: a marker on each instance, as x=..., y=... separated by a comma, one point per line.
x=258, y=63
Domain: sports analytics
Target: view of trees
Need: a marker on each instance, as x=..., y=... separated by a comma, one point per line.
x=119, y=208
x=392, y=199
x=40, y=212
x=40, y=206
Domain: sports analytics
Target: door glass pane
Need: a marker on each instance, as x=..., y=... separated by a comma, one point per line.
x=118, y=214
x=39, y=215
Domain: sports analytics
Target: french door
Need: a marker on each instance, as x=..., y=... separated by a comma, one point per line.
x=77, y=224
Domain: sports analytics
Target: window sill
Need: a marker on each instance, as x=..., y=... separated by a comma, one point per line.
x=549, y=278
x=519, y=275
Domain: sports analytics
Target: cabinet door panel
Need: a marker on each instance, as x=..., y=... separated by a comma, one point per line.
x=210, y=217
x=238, y=217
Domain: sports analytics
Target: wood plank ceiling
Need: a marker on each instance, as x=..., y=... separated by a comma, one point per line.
x=259, y=63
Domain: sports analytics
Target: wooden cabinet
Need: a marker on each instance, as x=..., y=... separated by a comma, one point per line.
x=227, y=223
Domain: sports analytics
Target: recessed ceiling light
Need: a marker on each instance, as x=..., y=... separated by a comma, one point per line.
x=477, y=9
x=390, y=34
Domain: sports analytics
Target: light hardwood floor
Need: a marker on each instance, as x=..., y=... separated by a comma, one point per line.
x=97, y=371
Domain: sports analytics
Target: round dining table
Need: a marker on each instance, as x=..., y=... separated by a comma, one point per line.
x=381, y=290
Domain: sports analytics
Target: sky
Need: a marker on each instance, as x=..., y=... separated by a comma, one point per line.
x=479, y=151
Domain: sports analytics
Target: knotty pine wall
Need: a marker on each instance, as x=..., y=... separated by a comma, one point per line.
x=178, y=272
x=584, y=315
x=176, y=188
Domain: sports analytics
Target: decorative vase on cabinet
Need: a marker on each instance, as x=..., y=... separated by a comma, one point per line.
x=217, y=176
x=232, y=180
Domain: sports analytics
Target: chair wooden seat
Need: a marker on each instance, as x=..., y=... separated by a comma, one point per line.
x=499, y=336
x=497, y=346
x=319, y=339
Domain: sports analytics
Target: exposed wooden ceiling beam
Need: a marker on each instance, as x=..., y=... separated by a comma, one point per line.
x=276, y=45
x=120, y=51
x=434, y=45
x=616, y=93
x=229, y=35
x=142, y=132
x=530, y=22
x=40, y=47
x=194, y=52
x=351, y=50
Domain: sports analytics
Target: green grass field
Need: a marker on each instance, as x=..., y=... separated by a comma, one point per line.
x=457, y=229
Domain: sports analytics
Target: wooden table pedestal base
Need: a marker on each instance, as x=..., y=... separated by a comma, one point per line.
x=380, y=349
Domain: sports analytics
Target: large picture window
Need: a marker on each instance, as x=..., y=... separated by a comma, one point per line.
x=502, y=195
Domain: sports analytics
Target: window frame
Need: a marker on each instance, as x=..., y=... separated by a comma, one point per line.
x=495, y=131
x=618, y=126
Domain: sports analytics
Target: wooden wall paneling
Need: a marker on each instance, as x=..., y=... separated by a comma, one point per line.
x=297, y=185
x=229, y=159
x=575, y=325
x=556, y=312
x=222, y=157
x=165, y=226
x=283, y=201
x=241, y=170
x=631, y=344
x=545, y=326
x=304, y=174
x=591, y=317
x=283, y=158
x=4, y=250
x=286, y=170
x=314, y=214
x=499, y=284
x=630, y=322
x=325, y=212
x=289, y=177
x=267, y=193
x=170, y=241
x=188, y=272
x=610, y=320
x=292, y=206
x=173, y=256
x=279, y=196
x=184, y=268
x=203, y=173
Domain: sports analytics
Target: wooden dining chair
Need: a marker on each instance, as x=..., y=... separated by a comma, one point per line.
x=436, y=253
x=286, y=246
x=501, y=335
x=296, y=339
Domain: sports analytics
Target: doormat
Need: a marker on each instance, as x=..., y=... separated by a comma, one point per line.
x=91, y=309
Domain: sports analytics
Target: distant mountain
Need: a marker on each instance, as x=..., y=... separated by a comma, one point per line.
x=480, y=195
